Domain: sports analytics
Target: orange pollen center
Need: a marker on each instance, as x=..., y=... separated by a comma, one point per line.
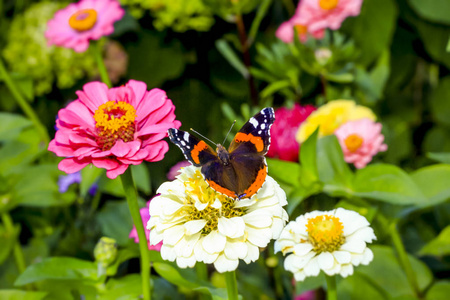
x=114, y=120
x=301, y=29
x=328, y=4
x=353, y=142
x=325, y=233
x=83, y=20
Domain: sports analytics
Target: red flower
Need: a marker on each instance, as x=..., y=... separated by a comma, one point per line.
x=287, y=121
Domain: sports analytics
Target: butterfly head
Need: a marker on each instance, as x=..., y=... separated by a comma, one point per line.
x=223, y=154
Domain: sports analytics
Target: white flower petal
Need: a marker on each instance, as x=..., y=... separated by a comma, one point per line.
x=367, y=256
x=252, y=253
x=302, y=249
x=214, y=242
x=194, y=226
x=346, y=270
x=258, y=218
x=168, y=253
x=342, y=257
x=236, y=249
x=186, y=262
x=312, y=267
x=259, y=237
x=325, y=260
x=354, y=246
x=223, y=264
x=216, y=204
x=173, y=235
x=233, y=227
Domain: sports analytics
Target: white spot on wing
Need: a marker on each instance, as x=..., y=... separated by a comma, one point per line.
x=254, y=122
x=186, y=136
x=263, y=126
x=183, y=143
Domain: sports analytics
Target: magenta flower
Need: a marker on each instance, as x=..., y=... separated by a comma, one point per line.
x=314, y=16
x=308, y=295
x=175, y=170
x=78, y=23
x=287, y=121
x=145, y=217
x=113, y=128
x=360, y=141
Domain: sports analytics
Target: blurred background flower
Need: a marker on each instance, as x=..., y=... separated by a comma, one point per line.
x=282, y=139
x=176, y=169
x=360, y=141
x=78, y=23
x=36, y=60
x=330, y=116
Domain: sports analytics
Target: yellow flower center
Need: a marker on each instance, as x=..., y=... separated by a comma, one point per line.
x=198, y=190
x=114, y=120
x=301, y=29
x=83, y=19
x=353, y=142
x=328, y=4
x=325, y=233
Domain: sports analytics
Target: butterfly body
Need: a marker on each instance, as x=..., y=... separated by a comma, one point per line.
x=240, y=171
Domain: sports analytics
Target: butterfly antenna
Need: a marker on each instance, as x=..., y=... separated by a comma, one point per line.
x=203, y=136
x=229, y=132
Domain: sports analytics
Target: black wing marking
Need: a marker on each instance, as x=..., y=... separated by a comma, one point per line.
x=195, y=150
x=258, y=127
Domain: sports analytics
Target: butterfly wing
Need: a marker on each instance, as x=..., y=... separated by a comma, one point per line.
x=247, y=152
x=196, y=151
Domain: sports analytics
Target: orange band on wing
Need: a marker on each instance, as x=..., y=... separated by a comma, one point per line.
x=257, y=184
x=196, y=151
x=256, y=140
x=220, y=189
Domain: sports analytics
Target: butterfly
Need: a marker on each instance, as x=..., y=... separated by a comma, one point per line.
x=240, y=171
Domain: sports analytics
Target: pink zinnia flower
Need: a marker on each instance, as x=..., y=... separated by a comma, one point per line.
x=145, y=215
x=360, y=141
x=308, y=295
x=113, y=128
x=287, y=121
x=78, y=23
x=175, y=170
x=314, y=16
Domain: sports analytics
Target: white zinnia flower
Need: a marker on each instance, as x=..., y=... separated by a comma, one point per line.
x=332, y=241
x=196, y=223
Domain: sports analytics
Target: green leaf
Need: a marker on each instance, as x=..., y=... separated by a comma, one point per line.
x=166, y=60
x=141, y=178
x=8, y=240
x=63, y=268
x=12, y=125
x=432, y=10
x=175, y=276
x=439, y=291
x=129, y=287
x=387, y=275
x=216, y=293
x=373, y=29
x=339, y=77
x=284, y=171
x=440, y=106
x=115, y=221
x=440, y=246
x=228, y=53
x=308, y=156
x=90, y=176
x=21, y=295
x=122, y=256
x=433, y=182
x=442, y=157
x=387, y=183
x=332, y=169
x=358, y=287
x=274, y=87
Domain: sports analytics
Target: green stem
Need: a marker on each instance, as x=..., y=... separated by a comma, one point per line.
x=230, y=278
x=24, y=105
x=202, y=272
x=403, y=256
x=331, y=287
x=101, y=64
x=17, y=250
x=131, y=194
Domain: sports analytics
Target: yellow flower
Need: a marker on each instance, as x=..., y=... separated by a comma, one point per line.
x=332, y=115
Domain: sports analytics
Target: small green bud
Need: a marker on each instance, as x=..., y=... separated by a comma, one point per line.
x=105, y=251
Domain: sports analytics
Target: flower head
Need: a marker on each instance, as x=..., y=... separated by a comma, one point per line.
x=78, y=23
x=360, y=141
x=287, y=121
x=196, y=223
x=113, y=128
x=332, y=241
x=312, y=17
x=145, y=216
x=330, y=116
